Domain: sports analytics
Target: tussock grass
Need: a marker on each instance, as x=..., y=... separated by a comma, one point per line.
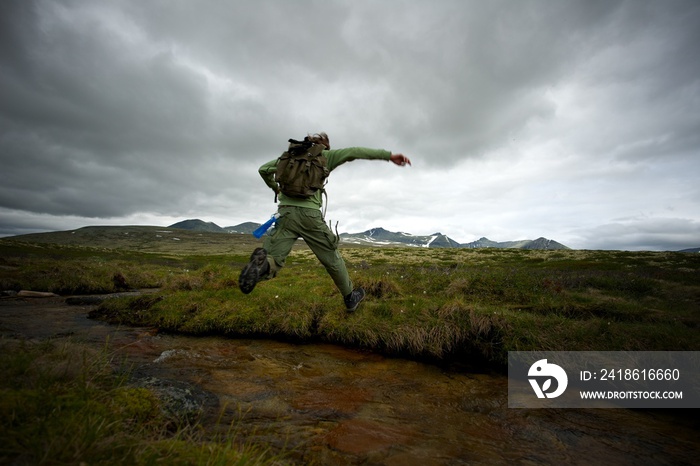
x=63, y=403
x=449, y=304
x=461, y=308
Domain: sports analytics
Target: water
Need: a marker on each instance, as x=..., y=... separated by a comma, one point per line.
x=332, y=405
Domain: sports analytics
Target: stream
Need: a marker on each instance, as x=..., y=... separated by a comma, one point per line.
x=326, y=404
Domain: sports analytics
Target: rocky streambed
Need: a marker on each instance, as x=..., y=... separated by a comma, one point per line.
x=332, y=405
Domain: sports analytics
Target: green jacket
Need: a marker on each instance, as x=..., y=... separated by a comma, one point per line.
x=335, y=158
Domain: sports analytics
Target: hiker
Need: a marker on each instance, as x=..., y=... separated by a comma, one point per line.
x=300, y=216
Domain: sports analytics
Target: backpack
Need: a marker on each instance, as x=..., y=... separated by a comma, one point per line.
x=302, y=169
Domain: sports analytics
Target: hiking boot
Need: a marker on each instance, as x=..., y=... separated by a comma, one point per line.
x=354, y=299
x=256, y=270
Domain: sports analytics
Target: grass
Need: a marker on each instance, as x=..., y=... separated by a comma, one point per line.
x=63, y=403
x=455, y=305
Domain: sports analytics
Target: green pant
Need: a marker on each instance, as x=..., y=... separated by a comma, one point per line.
x=308, y=224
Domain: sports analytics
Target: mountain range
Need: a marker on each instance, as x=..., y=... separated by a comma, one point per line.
x=382, y=237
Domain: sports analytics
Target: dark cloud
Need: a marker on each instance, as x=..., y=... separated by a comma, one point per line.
x=669, y=234
x=114, y=109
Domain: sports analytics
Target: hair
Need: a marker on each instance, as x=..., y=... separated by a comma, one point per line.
x=320, y=138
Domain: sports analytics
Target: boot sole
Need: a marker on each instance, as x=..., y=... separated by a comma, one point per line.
x=249, y=278
x=357, y=304
x=250, y=275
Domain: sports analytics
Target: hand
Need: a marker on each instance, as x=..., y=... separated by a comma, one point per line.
x=400, y=159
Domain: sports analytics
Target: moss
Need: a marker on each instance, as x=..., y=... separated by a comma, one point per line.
x=134, y=404
x=90, y=417
x=440, y=302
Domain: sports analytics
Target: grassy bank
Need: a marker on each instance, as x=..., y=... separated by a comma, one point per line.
x=63, y=403
x=449, y=304
x=454, y=304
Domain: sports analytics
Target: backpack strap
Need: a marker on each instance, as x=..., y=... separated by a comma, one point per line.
x=325, y=203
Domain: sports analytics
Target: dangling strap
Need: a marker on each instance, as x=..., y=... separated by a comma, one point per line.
x=324, y=194
x=330, y=227
x=325, y=203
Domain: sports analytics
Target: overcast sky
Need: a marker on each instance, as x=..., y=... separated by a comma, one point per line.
x=577, y=120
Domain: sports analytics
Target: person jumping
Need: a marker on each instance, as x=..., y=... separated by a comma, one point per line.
x=298, y=178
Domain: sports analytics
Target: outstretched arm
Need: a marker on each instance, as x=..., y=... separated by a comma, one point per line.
x=400, y=159
x=267, y=172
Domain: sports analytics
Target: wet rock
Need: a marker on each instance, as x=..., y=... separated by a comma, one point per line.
x=36, y=294
x=167, y=354
x=181, y=402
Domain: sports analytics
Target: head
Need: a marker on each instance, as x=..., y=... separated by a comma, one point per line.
x=319, y=138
